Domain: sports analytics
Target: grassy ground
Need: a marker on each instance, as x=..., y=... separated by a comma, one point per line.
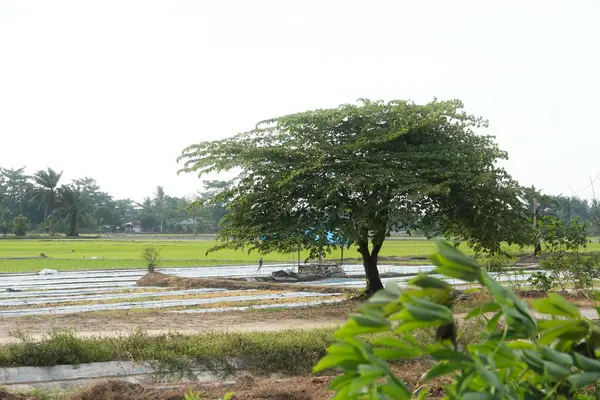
x=287, y=351
x=18, y=255
x=245, y=387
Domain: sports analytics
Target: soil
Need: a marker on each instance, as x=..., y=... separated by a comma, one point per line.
x=10, y=396
x=157, y=322
x=245, y=387
x=528, y=259
x=298, y=388
x=164, y=280
x=160, y=322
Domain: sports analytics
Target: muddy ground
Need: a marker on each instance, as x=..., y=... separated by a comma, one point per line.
x=245, y=387
x=155, y=322
x=158, y=322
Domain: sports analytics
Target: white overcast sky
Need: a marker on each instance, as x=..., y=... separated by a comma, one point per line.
x=114, y=90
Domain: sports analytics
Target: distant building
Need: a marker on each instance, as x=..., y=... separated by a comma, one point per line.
x=132, y=227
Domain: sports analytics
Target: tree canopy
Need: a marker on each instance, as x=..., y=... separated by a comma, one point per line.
x=45, y=193
x=362, y=171
x=36, y=197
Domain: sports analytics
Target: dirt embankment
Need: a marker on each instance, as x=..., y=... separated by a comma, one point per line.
x=164, y=280
x=245, y=387
x=159, y=322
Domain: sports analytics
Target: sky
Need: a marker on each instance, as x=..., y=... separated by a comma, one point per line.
x=115, y=90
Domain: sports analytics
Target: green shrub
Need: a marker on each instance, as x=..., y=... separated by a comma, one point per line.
x=566, y=263
x=4, y=227
x=58, y=347
x=152, y=257
x=525, y=358
x=291, y=352
x=20, y=223
x=497, y=262
x=584, y=271
x=561, y=238
x=541, y=281
x=578, y=270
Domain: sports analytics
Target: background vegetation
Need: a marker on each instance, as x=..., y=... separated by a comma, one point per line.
x=42, y=203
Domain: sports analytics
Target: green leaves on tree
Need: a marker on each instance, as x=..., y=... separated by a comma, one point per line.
x=360, y=172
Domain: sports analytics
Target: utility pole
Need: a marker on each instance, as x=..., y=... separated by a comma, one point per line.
x=538, y=246
x=535, y=211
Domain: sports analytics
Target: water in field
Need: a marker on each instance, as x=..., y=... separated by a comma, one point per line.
x=78, y=280
x=153, y=304
x=403, y=281
x=108, y=290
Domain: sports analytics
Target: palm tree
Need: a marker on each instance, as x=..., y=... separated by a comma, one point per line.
x=71, y=207
x=46, y=182
x=146, y=214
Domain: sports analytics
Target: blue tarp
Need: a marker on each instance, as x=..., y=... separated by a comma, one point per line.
x=330, y=237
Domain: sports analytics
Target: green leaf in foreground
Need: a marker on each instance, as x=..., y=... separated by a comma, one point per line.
x=584, y=379
x=518, y=356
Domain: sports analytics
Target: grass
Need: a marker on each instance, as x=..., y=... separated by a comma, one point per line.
x=17, y=255
x=63, y=254
x=74, y=254
x=291, y=352
x=288, y=352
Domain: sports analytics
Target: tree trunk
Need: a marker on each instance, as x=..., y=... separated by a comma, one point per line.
x=73, y=225
x=370, y=264
x=47, y=218
x=537, y=247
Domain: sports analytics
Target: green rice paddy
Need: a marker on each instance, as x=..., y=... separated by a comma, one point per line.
x=18, y=255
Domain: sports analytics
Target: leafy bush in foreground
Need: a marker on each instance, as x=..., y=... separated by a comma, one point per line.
x=525, y=358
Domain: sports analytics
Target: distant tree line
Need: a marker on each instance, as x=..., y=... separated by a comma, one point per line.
x=41, y=202
x=565, y=208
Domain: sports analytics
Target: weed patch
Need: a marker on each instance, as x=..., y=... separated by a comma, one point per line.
x=289, y=352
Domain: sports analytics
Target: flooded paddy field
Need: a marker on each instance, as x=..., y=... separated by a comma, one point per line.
x=75, y=292
x=30, y=294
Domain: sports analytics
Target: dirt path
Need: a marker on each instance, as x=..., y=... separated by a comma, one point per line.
x=126, y=322
x=110, y=324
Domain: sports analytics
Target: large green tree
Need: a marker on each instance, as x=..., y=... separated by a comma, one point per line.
x=205, y=211
x=72, y=207
x=362, y=172
x=47, y=182
x=17, y=190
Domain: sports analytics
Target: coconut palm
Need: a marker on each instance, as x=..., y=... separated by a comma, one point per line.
x=47, y=181
x=71, y=207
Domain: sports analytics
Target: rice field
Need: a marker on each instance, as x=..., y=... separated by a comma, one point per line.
x=78, y=292
x=23, y=255
x=91, y=254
